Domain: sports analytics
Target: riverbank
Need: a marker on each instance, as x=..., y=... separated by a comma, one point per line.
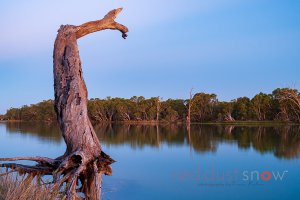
x=163, y=122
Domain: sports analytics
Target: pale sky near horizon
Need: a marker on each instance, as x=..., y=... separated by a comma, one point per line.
x=232, y=48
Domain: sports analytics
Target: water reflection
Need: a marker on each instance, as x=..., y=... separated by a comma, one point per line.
x=43, y=131
x=281, y=141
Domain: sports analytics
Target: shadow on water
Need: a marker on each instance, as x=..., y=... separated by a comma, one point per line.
x=281, y=141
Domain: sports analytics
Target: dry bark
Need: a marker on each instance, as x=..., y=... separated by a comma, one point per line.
x=84, y=159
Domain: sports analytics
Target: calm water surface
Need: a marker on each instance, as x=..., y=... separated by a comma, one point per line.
x=169, y=162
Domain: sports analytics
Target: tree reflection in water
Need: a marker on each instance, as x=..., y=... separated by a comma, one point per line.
x=282, y=141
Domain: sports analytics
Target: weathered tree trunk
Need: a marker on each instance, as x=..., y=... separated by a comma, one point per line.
x=83, y=160
x=71, y=97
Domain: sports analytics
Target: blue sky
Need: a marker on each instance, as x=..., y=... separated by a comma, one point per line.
x=229, y=47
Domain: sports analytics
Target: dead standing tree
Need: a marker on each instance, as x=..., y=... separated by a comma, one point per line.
x=84, y=159
x=190, y=104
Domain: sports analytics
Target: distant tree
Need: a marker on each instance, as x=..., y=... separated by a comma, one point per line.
x=179, y=106
x=289, y=103
x=241, y=108
x=110, y=109
x=13, y=114
x=281, y=105
x=97, y=110
x=189, y=104
x=158, y=105
x=123, y=109
x=204, y=106
x=225, y=111
x=261, y=106
x=168, y=114
x=2, y=117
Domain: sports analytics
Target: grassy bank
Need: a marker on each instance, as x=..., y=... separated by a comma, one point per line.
x=12, y=189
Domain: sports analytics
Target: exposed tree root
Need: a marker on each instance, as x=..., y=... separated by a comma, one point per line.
x=68, y=171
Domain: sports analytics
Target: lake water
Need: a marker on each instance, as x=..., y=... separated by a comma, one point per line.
x=169, y=162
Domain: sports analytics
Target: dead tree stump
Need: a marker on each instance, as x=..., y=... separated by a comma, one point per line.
x=84, y=159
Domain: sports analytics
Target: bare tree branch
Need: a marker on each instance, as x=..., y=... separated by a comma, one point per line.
x=108, y=22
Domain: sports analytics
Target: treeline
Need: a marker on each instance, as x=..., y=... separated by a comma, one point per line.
x=283, y=104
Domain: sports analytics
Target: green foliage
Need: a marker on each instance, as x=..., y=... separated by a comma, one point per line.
x=242, y=108
x=204, y=107
x=43, y=111
x=282, y=105
x=287, y=104
x=261, y=106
